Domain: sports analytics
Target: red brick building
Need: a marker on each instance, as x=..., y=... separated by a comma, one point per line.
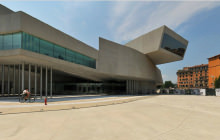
x=193, y=77
x=214, y=69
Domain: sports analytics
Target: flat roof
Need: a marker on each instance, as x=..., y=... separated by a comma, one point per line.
x=214, y=56
x=187, y=68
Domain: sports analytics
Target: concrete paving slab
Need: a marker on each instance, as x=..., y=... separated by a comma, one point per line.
x=63, y=103
x=166, y=117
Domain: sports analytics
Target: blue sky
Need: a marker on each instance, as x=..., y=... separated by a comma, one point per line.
x=198, y=22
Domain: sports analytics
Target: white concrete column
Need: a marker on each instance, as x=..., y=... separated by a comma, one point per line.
x=129, y=87
x=46, y=82
x=51, y=82
x=126, y=86
x=22, y=77
x=35, y=81
x=14, y=80
x=19, y=79
x=41, y=78
x=8, y=80
x=134, y=87
x=3, y=78
x=29, y=77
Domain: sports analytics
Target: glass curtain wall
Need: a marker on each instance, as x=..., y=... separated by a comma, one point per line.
x=35, y=44
x=173, y=45
x=10, y=41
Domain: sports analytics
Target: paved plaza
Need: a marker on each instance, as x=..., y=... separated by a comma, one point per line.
x=13, y=106
x=164, y=117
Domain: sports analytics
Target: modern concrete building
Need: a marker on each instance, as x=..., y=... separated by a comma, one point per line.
x=36, y=56
x=193, y=77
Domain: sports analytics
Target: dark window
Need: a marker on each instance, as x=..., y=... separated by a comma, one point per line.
x=70, y=56
x=46, y=48
x=59, y=52
x=173, y=45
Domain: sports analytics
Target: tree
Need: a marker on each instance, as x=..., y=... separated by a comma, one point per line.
x=217, y=82
x=168, y=84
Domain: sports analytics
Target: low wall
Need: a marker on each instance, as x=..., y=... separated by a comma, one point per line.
x=217, y=91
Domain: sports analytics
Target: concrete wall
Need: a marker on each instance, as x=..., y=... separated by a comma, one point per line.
x=159, y=79
x=203, y=92
x=147, y=43
x=4, y=10
x=217, y=91
x=120, y=60
x=10, y=23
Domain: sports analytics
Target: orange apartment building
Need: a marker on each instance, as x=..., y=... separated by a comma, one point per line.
x=214, y=69
x=193, y=77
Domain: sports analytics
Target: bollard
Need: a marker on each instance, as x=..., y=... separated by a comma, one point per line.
x=45, y=101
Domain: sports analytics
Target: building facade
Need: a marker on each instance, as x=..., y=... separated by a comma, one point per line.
x=214, y=69
x=36, y=56
x=193, y=77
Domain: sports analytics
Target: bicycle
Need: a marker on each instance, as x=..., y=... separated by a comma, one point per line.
x=30, y=98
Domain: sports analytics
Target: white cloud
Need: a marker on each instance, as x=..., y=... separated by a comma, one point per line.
x=119, y=9
x=128, y=24
x=67, y=16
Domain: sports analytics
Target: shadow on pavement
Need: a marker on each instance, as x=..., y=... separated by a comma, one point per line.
x=60, y=98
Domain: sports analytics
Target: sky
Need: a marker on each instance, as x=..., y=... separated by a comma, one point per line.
x=122, y=21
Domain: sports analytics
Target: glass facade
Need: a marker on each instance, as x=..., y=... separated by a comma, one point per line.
x=10, y=41
x=35, y=44
x=173, y=45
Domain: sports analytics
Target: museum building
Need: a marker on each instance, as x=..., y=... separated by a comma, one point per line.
x=36, y=56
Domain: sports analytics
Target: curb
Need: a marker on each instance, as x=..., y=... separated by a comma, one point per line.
x=67, y=106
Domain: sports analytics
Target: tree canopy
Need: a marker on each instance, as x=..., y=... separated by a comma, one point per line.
x=168, y=84
x=217, y=82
